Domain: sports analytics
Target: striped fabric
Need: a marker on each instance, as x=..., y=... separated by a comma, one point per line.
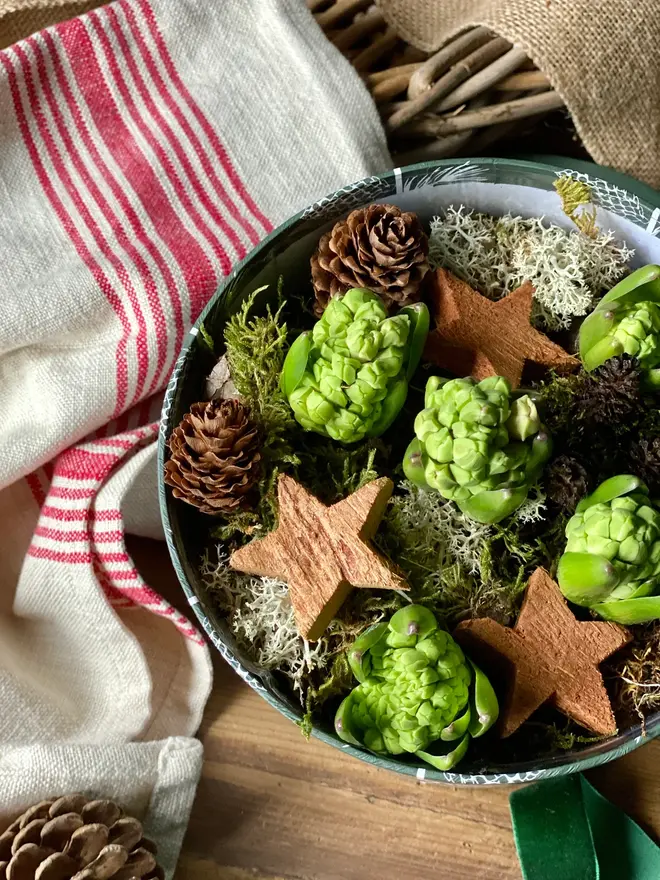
x=81, y=523
x=139, y=197
x=145, y=148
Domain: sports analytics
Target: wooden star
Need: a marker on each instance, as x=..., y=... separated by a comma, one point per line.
x=476, y=337
x=554, y=657
x=322, y=552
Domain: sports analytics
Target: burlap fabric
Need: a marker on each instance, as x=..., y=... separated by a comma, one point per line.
x=20, y=18
x=602, y=56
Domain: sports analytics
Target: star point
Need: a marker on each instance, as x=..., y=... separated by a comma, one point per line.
x=322, y=552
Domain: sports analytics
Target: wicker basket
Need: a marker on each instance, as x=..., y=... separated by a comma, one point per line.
x=477, y=90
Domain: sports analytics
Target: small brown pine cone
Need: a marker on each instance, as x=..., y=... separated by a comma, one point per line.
x=215, y=460
x=72, y=838
x=378, y=247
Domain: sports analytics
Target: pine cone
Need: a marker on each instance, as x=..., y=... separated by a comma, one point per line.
x=610, y=393
x=72, y=837
x=378, y=247
x=566, y=482
x=215, y=461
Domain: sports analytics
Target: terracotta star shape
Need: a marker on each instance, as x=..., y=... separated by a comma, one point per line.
x=554, y=657
x=477, y=337
x=322, y=552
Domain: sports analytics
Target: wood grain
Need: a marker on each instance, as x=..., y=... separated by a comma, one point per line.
x=554, y=656
x=475, y=336
x=271, y=806
x=322, y=552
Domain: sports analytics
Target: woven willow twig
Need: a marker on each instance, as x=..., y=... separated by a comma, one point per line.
x=483, y=80
x=381, y=46
x=529, y=79
x=475, y=90
x=458, y=72
x=363, y=27
x=442, y=60
x=441, y=126
x=337, y=11
x=390, y=86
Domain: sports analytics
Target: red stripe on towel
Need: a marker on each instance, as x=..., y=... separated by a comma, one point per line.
x=102, y=280
x=203, y=121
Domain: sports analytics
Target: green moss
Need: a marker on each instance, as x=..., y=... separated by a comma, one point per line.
x=576, y=203
x=591, y=426
x=337, y=681
x=256, y=346
x=306, y=724
x=206, y=339
x=555, y=398
x=566, y=737
x=332, y=471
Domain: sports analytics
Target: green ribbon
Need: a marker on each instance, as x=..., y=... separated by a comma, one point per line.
x=565, y=829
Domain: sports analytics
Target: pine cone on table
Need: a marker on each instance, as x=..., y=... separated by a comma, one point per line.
x=378, y=247
x=72, y=838
x=215, y=460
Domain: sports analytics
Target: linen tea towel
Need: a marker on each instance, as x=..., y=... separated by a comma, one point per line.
x=144, y=149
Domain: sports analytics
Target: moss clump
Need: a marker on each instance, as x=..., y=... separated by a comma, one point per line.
x=337, y=682
x=256, y=346
x=576, y=203
x=458, y=567
x=331, y=471
x=560, y=737
x=566, y=482
x=603, y=421
x=645, y=461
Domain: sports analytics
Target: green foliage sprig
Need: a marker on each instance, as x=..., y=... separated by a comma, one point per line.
x=256, y=346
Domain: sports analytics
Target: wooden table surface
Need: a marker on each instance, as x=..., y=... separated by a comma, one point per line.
x=270, y=805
